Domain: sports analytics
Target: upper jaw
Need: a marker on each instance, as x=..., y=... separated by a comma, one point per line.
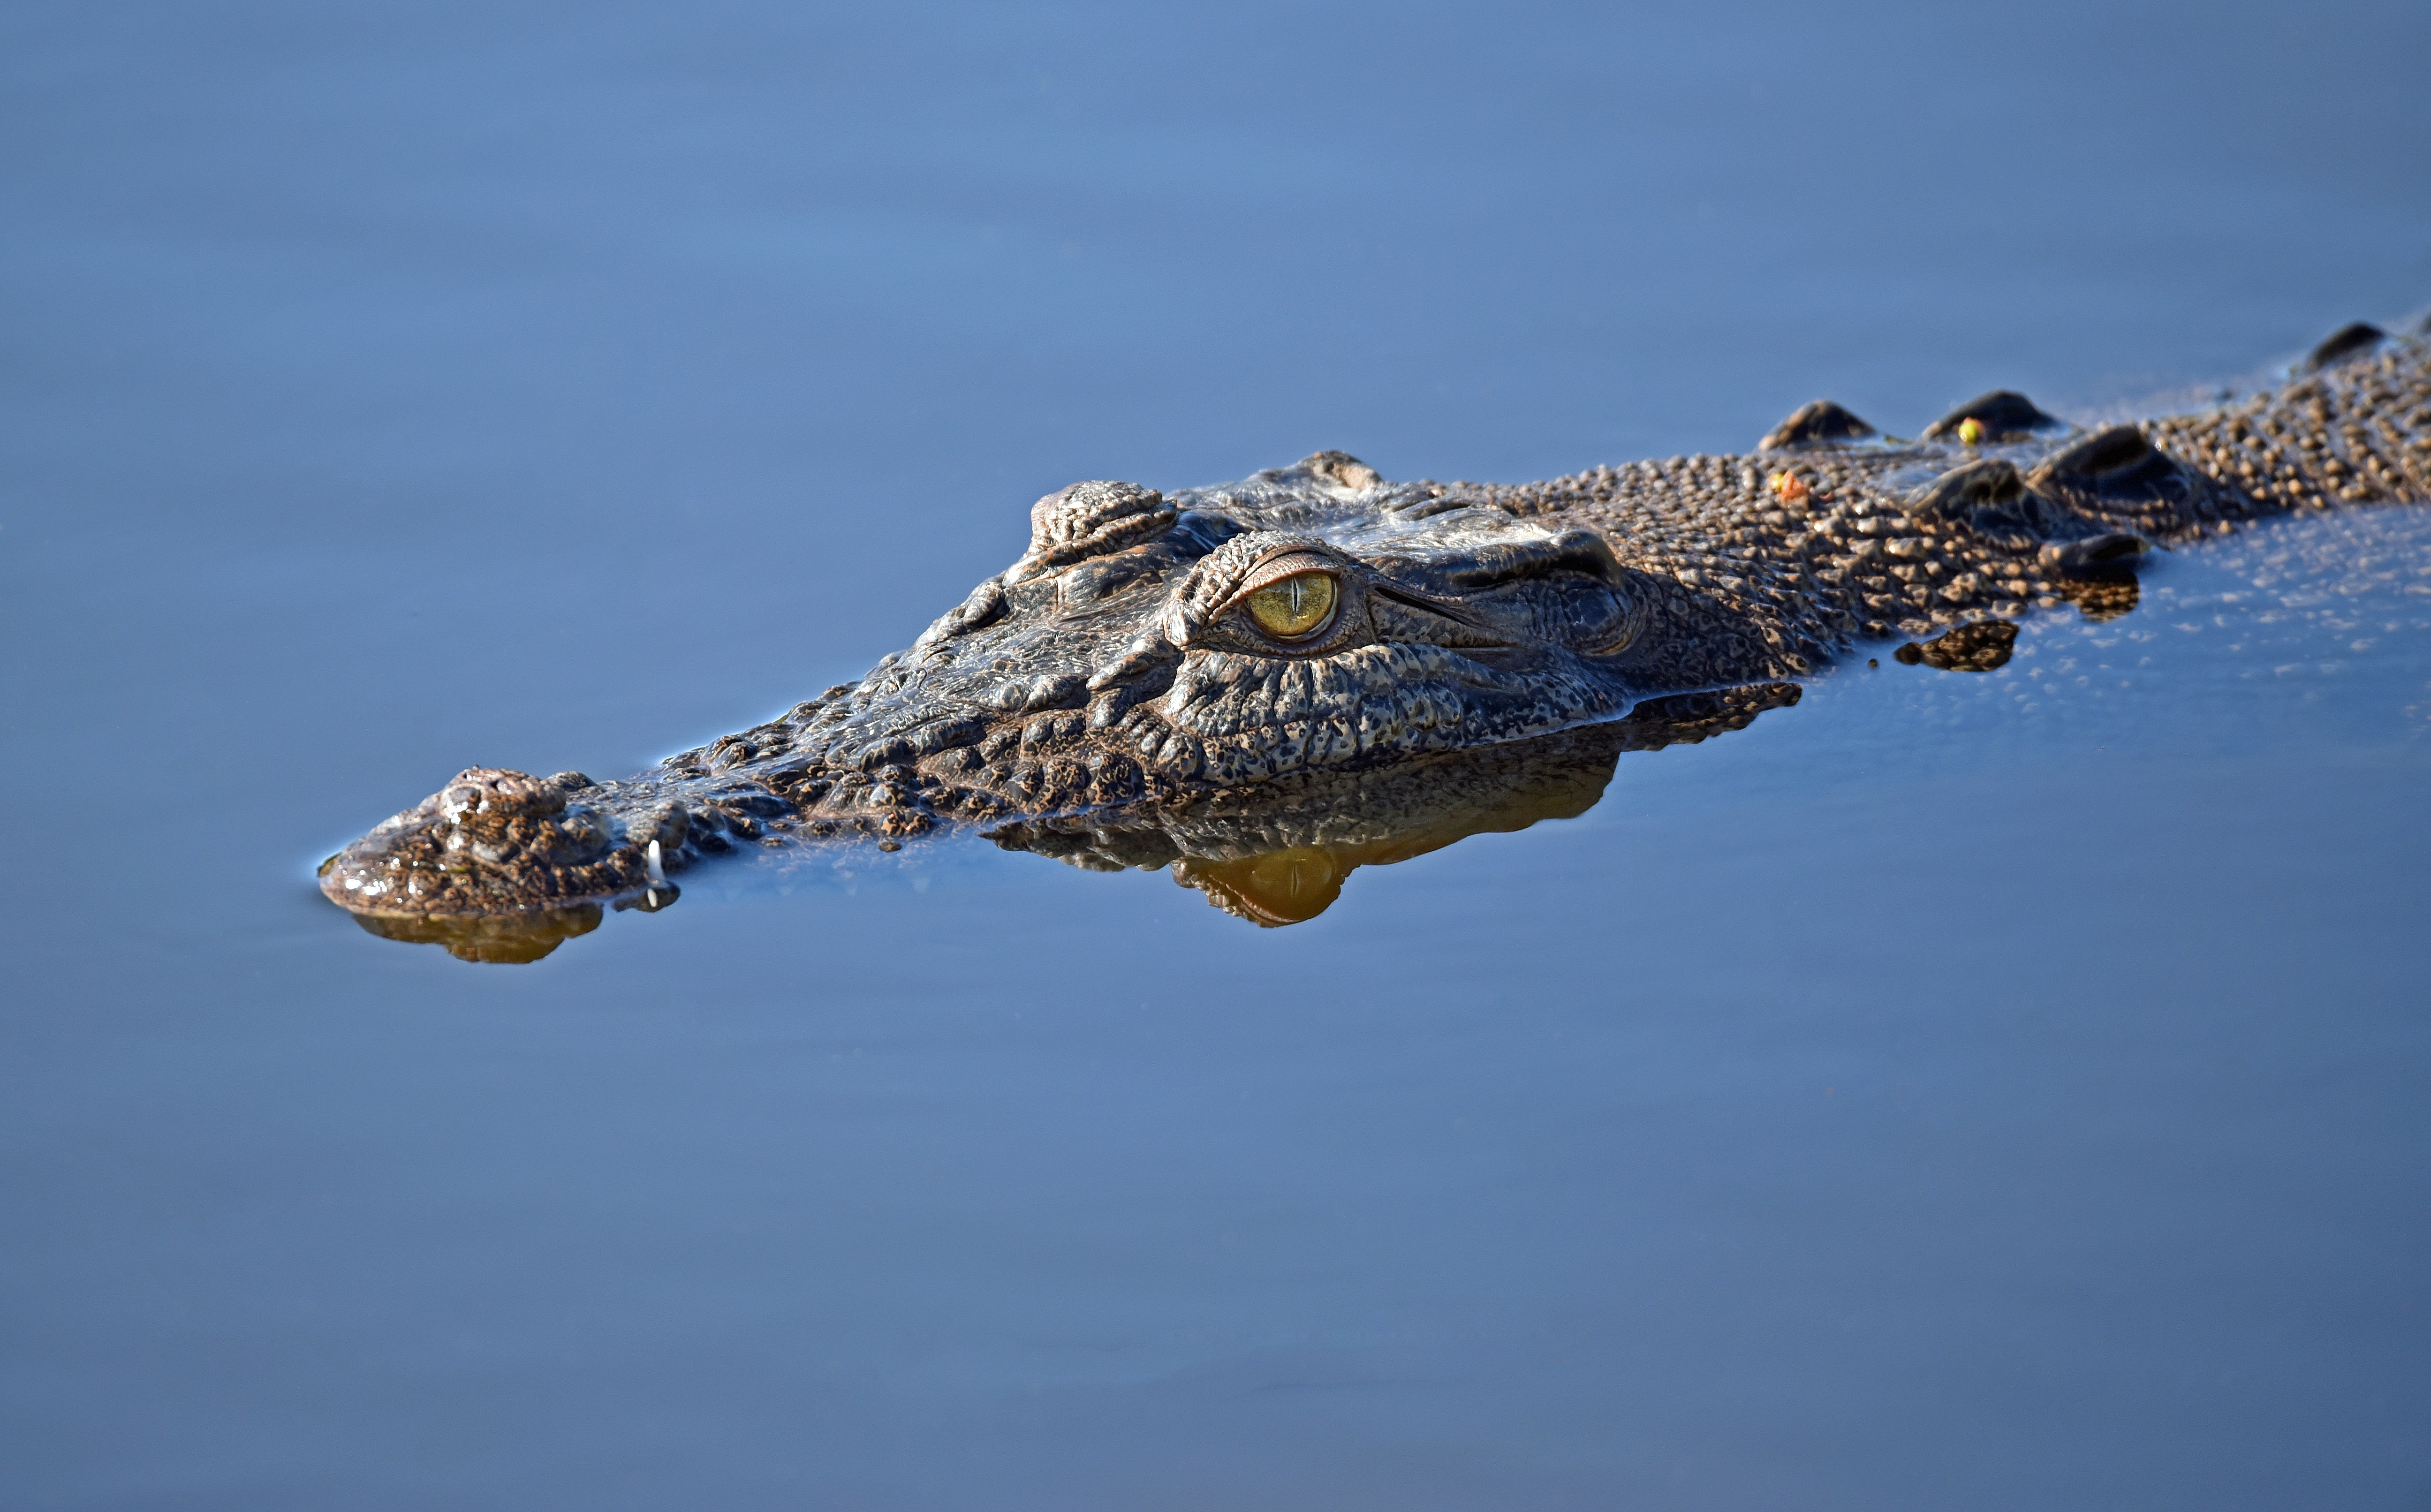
x=494, y=841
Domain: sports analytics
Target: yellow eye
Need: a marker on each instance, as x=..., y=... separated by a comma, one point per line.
x=1290, y=607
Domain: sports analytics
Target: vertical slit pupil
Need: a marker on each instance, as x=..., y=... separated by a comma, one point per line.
x=1294, y=606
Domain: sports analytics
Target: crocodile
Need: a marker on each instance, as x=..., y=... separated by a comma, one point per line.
x=1259, y=644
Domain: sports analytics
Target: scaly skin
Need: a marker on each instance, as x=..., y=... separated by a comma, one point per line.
x=1116, y=668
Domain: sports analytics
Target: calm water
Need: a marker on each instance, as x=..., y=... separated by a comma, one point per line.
x=2002, y=1091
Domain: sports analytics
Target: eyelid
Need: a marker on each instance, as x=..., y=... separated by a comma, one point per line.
x=1289, y=565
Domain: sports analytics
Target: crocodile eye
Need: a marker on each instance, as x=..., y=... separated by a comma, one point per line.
x=1294, y=608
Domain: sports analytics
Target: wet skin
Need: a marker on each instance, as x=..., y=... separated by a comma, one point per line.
x=1235, y=650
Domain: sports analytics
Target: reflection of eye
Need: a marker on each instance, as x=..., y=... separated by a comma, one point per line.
x=1291, y=608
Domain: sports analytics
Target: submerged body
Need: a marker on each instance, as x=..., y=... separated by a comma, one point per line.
x=1152, y=652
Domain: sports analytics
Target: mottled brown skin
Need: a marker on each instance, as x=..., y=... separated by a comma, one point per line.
x=1116, y=666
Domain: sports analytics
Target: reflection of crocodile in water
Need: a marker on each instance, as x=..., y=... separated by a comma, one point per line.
x=1277, y=852
x=1151, y=658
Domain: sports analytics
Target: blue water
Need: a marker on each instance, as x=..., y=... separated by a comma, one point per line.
x=2001, y=1091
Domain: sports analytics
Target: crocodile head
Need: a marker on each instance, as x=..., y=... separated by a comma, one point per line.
x=1141, y=649
x=1309, y=616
